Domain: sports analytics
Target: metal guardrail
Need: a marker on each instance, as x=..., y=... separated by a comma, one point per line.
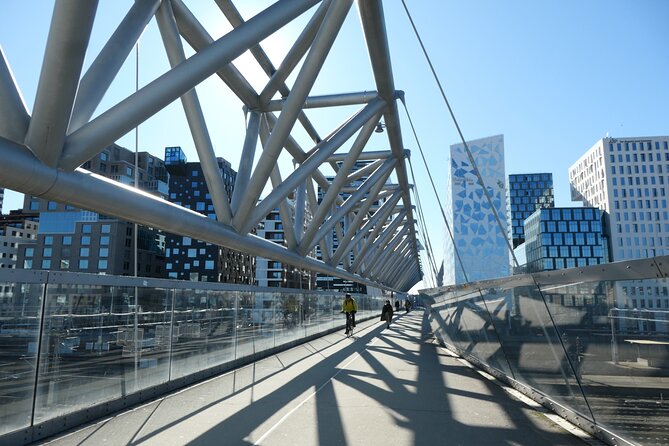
x=75, y=347
x=590, y=343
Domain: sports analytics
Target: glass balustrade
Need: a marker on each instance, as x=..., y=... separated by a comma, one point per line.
x=598, y=347
x=70, y=341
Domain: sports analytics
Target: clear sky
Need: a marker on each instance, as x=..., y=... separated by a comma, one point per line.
x=553, y=77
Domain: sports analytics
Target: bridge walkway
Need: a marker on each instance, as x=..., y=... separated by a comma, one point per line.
x=382, y=387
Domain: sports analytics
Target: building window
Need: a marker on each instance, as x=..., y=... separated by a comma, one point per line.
x=86, y=229
x=209, y=264
x=65, y=264
x=46, y=263
x=102, y=264
x=67, y=240
x=27, y=264
x=29, y=252
x=48, y=240
x=46, y=252
x=83, y=264
x=186, y=241
x=84, y=252
x=104, y=252
x=51, y=206
x=105, y=229
x=104, y=240
x=192, y=253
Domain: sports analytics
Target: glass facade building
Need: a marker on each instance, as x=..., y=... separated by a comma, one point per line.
x=527, y=192
x=560, y=238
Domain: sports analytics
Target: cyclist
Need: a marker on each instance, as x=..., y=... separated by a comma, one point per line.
x=387, y=313
x=349, y=307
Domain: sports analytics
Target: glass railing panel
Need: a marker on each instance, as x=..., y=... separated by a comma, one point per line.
x=247, y=319
x=318, y=314
x=498, y=305
x=265, y=316
x=98, y=345
x=203, y=333
x=535, y=347
x=20, y=311
x=620, y=344
x=447, y=322
x=289, y=323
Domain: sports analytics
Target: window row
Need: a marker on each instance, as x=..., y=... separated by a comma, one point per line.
x=639, y=144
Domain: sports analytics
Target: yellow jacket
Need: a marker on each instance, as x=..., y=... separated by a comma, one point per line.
x=349, y=305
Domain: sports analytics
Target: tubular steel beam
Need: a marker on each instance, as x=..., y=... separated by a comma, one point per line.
x=71, y=26
x=373, y=22
x=333, y=100
x=25, y=173
x=106, y=66
x=294, y=55
x=198, y=38
x=198, y=126
x=306, y=169
x=334, y=18
x=90, y=139
x=15, y=117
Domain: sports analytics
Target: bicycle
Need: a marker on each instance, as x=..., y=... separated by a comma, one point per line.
x=349, y=325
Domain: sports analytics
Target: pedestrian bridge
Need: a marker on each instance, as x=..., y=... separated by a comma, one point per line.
x=216, y=364
x=199, y=362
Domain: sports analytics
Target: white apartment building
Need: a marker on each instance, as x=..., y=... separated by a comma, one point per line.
x=628, y=179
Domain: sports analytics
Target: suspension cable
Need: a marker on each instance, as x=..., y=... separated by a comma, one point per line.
x=462, y=138
x=421, y=224
x=436, y=194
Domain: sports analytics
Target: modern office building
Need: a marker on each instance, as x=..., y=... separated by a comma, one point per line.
x=628, y=178
x=560, y=238
x=71, y=239
x=527, y=192
x=480, y=239
x=272, y=273
x=188, y=259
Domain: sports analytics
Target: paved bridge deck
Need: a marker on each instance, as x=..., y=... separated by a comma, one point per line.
x=384, y=386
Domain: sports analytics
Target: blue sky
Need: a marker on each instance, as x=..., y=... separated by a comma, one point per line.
x=553, y=77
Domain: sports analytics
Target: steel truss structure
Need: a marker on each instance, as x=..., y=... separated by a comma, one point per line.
x=368, y=209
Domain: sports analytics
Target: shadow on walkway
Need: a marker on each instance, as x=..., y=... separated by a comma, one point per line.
x=386, y=386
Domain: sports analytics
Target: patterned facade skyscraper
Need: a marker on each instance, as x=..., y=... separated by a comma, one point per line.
x=480, y=239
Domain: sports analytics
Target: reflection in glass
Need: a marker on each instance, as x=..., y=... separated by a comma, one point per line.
x=20, y=311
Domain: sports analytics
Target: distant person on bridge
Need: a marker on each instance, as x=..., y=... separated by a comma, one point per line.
x=349, y=307
x=387, y=313
x=397, y=305
x=407, y=305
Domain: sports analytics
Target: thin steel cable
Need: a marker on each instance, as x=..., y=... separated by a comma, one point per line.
x=421, y=225
x=462, y=138
x=485, y=191
x=434, y=188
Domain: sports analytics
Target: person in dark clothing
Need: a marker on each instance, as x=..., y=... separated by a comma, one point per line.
x=387, y=313
x=397, y=305
x=407, y=305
